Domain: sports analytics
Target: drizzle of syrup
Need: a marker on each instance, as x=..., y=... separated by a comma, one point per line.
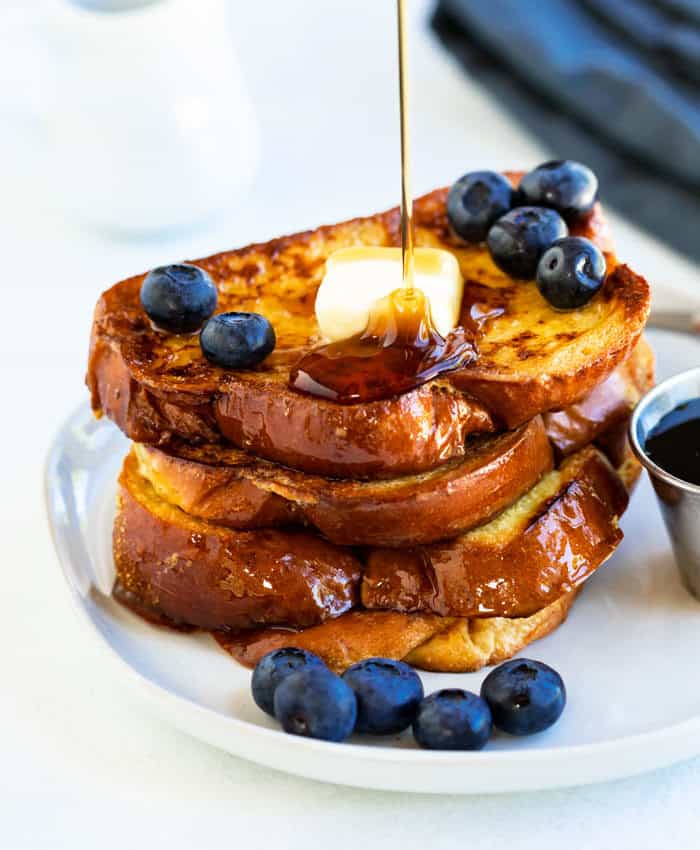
x=399, y=350
x=480, y=313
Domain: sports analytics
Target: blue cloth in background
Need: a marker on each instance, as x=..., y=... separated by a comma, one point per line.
x=613, y=83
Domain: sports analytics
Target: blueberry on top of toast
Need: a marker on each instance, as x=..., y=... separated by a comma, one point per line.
x=475, y=201
x=519, y=238
x=237, y=340
x=569, y=187
x=532, y=359
x=178, y=298
x=571, y=272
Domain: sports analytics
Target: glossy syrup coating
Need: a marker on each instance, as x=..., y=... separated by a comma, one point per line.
x=399, y=350
x=205, y=575
x=425, y=641
x=236, y=490
x=539, y=549
x=227, y=486
x=530, y=358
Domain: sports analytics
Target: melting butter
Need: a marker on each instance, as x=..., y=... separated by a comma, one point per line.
x=356, y=278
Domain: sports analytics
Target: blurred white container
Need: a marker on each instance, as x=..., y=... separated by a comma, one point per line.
x=150, y=128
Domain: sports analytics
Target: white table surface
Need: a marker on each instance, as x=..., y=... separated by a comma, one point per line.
x=82, y=766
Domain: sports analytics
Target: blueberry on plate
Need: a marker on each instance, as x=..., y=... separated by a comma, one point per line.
x=452, y=720
x=274, y=667
x=316, y=703
x=571, y=272
x=519, y=238
x=388, y=693
x=237, y=340
x=475, y=201
x=524, y=696
x=178, y=298
x=564, y=185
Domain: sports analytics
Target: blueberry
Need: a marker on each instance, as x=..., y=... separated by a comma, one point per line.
x=524, y=696
x=316, y=704
x=564, y=185
x=452, y=720
x=388, y=693
x=519, y=238
x=178, y=298
x=475, y=201
x=274, y=667
x=237, y=340
x=571, y=272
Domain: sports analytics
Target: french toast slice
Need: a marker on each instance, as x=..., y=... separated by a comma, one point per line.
x=604, y=412
x=540, y=548
x=245, y=492
x=202, y=574
x=532, y=359
x=426, y=641
x=230, y=487
x=199, y=574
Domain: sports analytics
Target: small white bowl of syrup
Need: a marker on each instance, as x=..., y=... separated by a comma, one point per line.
x=665, y=437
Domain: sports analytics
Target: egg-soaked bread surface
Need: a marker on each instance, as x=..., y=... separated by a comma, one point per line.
x=532, y=359
x=425, y=640
x=228, y=486
x=441, y=644
x=204, y=574
x=196, y=573
x=249, y=493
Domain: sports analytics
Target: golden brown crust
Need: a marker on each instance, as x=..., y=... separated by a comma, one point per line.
x=606, y=409
x=472, y=643
x=520, y=373
x=248, y=493
x=230, y=487
x=539, y=549
x=341, y=642
x=439, y=644
x=532, y=359
x=205, y=575
x=427, y=640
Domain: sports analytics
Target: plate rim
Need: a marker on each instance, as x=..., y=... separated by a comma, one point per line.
x=602, y=761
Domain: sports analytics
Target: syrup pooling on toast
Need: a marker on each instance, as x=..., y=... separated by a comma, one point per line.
x=399, y=350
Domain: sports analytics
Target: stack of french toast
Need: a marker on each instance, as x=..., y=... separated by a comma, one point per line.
x=448, y=526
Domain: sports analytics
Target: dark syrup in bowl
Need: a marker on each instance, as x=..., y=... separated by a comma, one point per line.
x=674, y=444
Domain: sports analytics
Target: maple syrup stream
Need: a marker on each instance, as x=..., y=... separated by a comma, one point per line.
x=400, y=348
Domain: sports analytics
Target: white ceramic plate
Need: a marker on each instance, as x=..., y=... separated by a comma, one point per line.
x=628, y=653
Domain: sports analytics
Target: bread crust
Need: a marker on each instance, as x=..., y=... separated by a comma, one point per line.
x=230, y=487
x=531, y=358
x=541, y=548
x=201, y=574
x=607, y=409
x=248, y=493
x=426, y=641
